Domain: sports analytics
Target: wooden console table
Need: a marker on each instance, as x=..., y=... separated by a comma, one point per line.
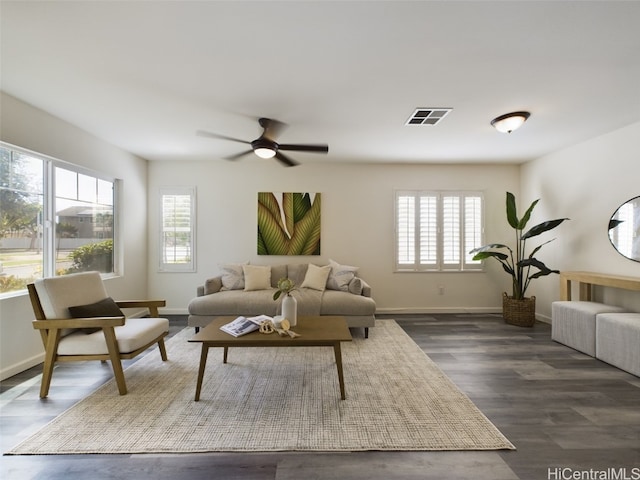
x=587, y=279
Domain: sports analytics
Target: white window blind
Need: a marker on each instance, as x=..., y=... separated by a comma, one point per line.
x=177, y=236
x=436, y=230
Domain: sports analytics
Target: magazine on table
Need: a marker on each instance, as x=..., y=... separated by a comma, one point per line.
x=243, y=325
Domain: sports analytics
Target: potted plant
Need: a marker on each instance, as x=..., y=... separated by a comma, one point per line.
x=517, y=309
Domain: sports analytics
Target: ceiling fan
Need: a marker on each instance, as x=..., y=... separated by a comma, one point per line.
x=265, y=146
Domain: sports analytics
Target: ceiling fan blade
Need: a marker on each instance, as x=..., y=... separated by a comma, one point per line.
x=304, y=148
x=286, y=160
x=238, y=155
x=202, y=133
x=272, y=128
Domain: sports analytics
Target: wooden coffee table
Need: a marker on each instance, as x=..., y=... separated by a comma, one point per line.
x=325, y=331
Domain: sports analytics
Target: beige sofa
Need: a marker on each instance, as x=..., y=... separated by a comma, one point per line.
x=243, y=289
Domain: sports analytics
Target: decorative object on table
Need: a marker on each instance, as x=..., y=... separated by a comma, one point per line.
x=283, y=328
x=289, y=303
x=517, y=309
x=290, y=226
x=243, y=325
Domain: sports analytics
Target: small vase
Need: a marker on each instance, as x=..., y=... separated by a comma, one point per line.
x=290, y=309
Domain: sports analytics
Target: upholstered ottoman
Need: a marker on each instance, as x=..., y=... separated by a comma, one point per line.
x=618, y=340
x=573, y=323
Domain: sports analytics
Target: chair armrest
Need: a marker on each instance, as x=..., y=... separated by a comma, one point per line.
x=91, y=322
x=152, y=305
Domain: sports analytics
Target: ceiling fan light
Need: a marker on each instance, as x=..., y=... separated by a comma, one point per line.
x=509, y=122
x=264, y=152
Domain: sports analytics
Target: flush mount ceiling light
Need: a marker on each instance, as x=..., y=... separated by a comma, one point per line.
x=509, y=122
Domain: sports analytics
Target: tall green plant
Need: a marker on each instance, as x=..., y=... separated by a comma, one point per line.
x=517, y=264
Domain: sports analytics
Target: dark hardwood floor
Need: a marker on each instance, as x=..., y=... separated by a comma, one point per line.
x=568, y=414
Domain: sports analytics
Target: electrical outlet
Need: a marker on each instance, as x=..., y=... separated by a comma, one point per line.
x=440, y=290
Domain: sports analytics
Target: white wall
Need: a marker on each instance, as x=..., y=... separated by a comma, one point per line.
x=587, y=183
x=33, y=129
x=357, y=225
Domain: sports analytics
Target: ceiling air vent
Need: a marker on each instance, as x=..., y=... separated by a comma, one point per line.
x=428, y=116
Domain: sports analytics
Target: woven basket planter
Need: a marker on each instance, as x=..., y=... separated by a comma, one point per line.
x=519, y=312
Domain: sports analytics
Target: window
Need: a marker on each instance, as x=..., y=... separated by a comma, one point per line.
x=55, y=219
x=177, y=236
x=436, y=230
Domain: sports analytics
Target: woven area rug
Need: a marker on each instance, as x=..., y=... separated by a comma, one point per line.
x=276, y=399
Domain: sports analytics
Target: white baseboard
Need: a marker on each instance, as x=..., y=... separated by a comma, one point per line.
x=543, y=318
x=400, y=310
x=12, y=370
x=174, y=311
x=428, y=310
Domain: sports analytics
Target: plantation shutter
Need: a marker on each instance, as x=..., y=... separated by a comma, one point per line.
x=472, y=229
x=428, y=230
x=178, y=229
x=405, y=230
x=451, y=230
x=436, y=230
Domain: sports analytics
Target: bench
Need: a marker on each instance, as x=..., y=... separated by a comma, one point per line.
x=606, y=332
x=618, y=340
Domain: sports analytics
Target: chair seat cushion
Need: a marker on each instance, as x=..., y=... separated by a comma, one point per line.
x=134, y=334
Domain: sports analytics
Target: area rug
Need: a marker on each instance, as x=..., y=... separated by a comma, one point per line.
x=276, y=399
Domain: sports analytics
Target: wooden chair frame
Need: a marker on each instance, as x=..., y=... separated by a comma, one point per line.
x=50, y=330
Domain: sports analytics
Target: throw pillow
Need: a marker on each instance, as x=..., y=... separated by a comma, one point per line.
x=103, y=308
x=232, y=276
x=214, y=285
x=257, y=277
x=316, y=277
x=355, y=286
x=340, y=276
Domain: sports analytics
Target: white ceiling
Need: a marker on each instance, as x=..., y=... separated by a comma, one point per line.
x=145, y=75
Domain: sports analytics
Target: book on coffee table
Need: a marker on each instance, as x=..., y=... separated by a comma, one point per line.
x=243, y=325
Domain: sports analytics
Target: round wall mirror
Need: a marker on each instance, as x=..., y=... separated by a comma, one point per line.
x=624, y=229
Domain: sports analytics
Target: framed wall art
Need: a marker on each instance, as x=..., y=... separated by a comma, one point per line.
x=289, y=223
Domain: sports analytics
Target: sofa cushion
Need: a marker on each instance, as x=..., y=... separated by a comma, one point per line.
x=316, y=277
x=341, y=303
x=340, y=276
x=297, y=272
x=277, y=272
x=233, y=302
x=232, y=276
x=257, y=277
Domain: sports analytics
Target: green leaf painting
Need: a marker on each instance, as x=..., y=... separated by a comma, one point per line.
x=288, y=223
